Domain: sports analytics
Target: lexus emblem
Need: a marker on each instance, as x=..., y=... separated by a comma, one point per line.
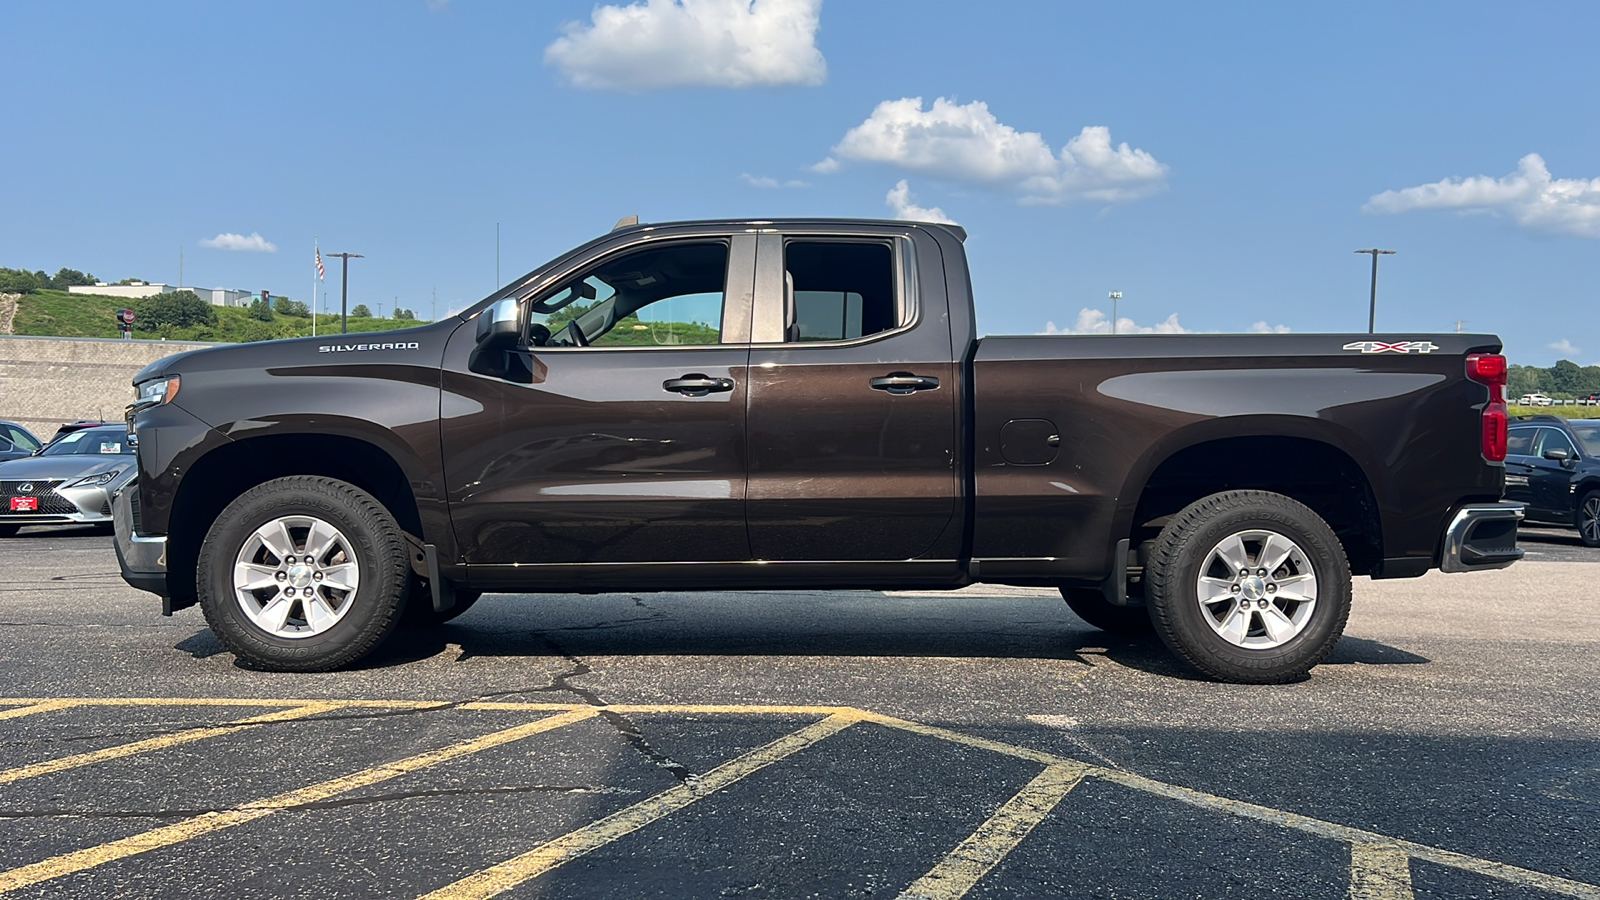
x=26, y=488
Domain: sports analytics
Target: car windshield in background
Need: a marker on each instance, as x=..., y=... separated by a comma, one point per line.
x=91, y=442
x=1588, y=435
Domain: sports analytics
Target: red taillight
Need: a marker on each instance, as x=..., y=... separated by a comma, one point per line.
x=1494, y=432
x=1489, y=369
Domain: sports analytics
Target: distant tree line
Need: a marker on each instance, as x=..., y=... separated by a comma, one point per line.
x=21, y=281
x=1565, y=379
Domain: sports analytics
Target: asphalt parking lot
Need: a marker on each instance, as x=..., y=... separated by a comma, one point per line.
x=983, y=743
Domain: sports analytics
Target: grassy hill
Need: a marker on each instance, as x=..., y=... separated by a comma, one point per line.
x=60, y=314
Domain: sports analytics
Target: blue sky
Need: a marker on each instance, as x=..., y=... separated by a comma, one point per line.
x=1264, y=143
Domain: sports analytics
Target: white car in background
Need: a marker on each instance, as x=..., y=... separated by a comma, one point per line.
x=1536, y=399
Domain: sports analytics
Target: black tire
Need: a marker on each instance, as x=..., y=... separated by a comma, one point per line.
x=1587, y=519
x=1194, y=632
x=9, y=530
x=1092, y=607
x=370, y=548
x=419, y=605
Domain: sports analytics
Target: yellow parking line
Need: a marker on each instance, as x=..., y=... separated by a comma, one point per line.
x=1379, y=872
x=1513, y=874
x=966, y=865
x=36, y=706
x=956, y=737
x=507, y=875
x=68, y=863
x=159, y=743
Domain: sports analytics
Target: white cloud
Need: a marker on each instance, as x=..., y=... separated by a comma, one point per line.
x=762, y=181
x=1529, y=195
x=693, y=43
x=1263, y=328
x=905, y=206
x=967, y=143
x=1093, y=321
x=252, y=243
x=1565, y=348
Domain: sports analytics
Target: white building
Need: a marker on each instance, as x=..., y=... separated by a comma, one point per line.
x=216, y=296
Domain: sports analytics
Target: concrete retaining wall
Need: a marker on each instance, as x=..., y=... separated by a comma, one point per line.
x=47, y=381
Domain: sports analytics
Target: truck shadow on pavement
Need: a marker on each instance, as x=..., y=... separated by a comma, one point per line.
x=841, y=625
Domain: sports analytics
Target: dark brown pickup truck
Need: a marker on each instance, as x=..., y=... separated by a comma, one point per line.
x=754, y=405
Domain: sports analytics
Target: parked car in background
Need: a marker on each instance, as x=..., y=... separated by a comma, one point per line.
x=1553, y=466
x=1536, y=399
x=67, y=482
x=79, y=425
x=16, y=441
x=1590, y=400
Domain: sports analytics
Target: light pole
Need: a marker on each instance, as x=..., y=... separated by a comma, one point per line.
x=344, y=288
x=1115, y=296
x=1372, y=313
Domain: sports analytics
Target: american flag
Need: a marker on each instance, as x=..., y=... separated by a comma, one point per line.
x=320, y=271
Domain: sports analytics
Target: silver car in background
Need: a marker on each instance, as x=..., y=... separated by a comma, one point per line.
x=68, y=482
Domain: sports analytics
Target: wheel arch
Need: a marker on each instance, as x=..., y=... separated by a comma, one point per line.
x=222, y=474
x=1311, y=462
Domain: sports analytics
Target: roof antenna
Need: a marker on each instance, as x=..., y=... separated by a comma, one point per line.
x=625, y=222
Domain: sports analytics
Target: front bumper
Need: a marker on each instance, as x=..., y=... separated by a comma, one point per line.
x=143, y=559
x=1482, y=536
x=58, y=505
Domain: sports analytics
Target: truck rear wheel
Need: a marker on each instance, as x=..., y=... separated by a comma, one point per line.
x=1249, y=587
x=303, y=574
x=1092, y=607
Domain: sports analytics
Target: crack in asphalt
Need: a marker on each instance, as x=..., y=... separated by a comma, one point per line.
x=626, y=727
x=339, y=803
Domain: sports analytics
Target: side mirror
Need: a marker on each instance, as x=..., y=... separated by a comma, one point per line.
x=1558, y=455
x=499, y=337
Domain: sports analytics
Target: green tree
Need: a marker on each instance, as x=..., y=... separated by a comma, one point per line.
x=361, y=312
x=66, y=278
x=261, y=310
x=175, y=309
x=405, y=314
x=1522, y=380
x=133, y=281
x=286, y=307
x=1564, y=379
x=19, y=281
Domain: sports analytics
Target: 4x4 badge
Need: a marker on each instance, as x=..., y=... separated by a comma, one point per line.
x=1401, y=347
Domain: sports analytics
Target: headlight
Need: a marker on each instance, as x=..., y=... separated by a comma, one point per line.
x=158, y=391
x=95, y=480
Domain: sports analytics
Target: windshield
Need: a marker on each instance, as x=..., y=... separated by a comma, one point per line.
x=91, y=442
x=1588, y=435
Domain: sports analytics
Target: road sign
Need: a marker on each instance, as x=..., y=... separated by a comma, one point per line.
x=126, y=315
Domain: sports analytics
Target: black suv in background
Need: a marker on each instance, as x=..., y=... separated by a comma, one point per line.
x=1553, y=466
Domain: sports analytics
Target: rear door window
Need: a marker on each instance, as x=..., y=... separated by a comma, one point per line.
x=839, y=290
x=1520, y=442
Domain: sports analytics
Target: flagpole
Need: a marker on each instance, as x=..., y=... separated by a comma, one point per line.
x=316, y=245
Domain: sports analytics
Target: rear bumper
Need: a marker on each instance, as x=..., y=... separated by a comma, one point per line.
x=1482, y=536
x=143, y=559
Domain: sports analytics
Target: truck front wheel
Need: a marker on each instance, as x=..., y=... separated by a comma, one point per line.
x=1249, y=587
x=303, y=574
